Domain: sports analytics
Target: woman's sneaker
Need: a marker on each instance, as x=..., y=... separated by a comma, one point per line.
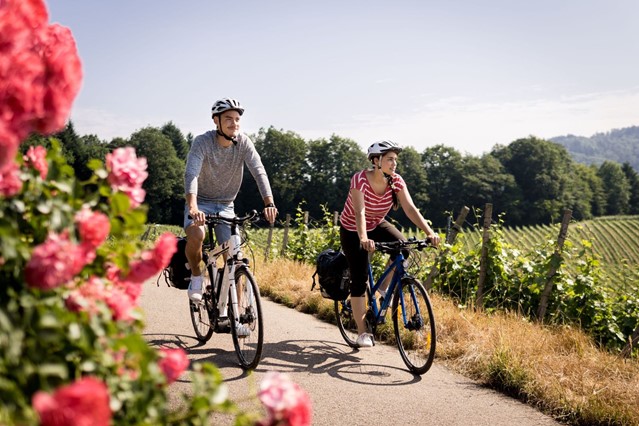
x=365, y=340
x=195, y=288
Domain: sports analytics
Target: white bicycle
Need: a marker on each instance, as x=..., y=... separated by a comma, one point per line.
x=231, y=298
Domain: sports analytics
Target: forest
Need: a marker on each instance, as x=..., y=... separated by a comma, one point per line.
x=530, y=181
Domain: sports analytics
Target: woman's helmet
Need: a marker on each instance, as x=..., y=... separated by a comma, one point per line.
x=381, y=148
x=226, y=104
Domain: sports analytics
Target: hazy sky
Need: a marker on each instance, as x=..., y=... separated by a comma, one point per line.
x=467, y=74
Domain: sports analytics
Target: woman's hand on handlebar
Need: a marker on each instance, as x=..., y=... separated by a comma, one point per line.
x=434, y=239
x=368, y=245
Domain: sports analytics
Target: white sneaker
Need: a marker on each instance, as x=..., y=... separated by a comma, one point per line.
x=195, y=288
x=365, y=340
x=242, y=330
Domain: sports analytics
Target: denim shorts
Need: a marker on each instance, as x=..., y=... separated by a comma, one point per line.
x=223, y=230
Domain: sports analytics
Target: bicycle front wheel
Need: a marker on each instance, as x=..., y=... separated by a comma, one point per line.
x=201, y=313
x=414, y=325
x=246, y=324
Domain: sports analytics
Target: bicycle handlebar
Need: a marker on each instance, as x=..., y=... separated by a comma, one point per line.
x=216, y=218
x=412, y=243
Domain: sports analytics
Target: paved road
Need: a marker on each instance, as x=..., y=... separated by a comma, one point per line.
x=346, y=386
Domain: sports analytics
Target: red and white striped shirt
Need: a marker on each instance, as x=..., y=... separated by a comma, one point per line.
x=376, y=206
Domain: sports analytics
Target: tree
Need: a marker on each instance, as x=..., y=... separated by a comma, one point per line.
x=283, y=155
x=586, y=193
x=616, y=187
x=443, y=166
x=165, y=184
x=412, y=171
x=633, y=181
x=485, y=180
x=542, y=172
x=180, y=144
x=328, y=171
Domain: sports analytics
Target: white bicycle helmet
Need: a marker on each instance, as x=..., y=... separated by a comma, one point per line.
x=226, y=104
x=382, y=147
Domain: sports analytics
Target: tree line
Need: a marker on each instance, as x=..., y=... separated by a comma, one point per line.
x=530, y=180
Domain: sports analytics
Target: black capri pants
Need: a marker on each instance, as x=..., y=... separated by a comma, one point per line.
x=357, y=257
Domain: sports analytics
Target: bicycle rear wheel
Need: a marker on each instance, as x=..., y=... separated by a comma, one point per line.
x=346, y=321
x=248, y=342
x=201, y=312
x=414, y=325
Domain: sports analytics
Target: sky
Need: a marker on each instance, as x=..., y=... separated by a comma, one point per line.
x=468, y=74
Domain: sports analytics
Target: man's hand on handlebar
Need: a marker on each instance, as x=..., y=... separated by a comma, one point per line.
x=199, y=217
x=270, y=213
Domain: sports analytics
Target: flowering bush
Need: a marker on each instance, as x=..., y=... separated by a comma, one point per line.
x=286, y=402
x=72, y=264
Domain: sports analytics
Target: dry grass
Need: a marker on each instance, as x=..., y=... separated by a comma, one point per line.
x=558, y=370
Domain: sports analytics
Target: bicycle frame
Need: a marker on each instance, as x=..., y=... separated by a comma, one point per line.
x=398, y=270
x=232, y=247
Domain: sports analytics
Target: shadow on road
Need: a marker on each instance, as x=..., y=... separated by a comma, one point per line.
x=312, y=356
x=332, y=358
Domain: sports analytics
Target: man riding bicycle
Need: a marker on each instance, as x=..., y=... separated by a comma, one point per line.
x=212, y=180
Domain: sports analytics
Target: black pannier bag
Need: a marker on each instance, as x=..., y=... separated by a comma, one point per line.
x=333, y=275
x=178, y=273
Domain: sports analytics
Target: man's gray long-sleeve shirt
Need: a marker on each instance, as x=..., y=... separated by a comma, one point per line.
x=214, y=173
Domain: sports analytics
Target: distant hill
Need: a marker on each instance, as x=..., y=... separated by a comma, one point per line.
x=620, y=145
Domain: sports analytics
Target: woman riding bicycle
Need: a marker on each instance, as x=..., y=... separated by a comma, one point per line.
x=372, y=194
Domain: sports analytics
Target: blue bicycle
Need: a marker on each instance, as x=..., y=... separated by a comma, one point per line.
x=410, y=307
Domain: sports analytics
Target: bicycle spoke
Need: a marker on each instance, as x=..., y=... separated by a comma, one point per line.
x=414, y=325
x=246, y=324
x=200, y=314
x=346, y=321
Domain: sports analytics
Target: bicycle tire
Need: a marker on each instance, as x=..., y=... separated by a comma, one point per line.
x=346, y=321
x=416, y=340
x=248, y=348
x=201, y=312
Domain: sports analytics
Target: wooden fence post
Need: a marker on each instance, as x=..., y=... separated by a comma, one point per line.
x=627, y=351
x=545, y=295
x=335, y=218
x=269, y=240
x=285, y=238
x=450, y=239
x=488, y=218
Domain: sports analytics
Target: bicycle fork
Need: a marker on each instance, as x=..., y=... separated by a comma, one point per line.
x=228, y=285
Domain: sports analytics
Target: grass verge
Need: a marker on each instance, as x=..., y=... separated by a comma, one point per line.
x=558, y=370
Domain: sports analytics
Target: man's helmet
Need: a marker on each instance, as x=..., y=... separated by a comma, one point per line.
x=226, y=104
x=381, y=148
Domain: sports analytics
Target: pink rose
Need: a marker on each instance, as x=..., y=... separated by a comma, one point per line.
x=127, y=172
x=285, y=401
x=164, y=249
x=153, y=261
x=82, y=403
x=173, y=363
x=120, y=304
x=62, y=80
x=93, y=227
x=10, y=183
x=85, y=296
x=36, y=157
x=55, y=262
x=40, y=74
